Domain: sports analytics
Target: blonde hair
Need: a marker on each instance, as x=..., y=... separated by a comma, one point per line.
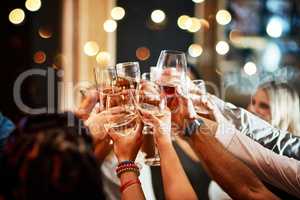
x=285, y=106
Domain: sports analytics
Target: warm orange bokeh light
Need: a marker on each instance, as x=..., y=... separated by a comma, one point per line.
x=45, y=32
x=39, y=57
x=142, y=53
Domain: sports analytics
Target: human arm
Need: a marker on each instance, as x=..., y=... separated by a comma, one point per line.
x=277, y=170
x=229, y=172
x=126, y=149
x=175, y=182
x=94, y=123
x=233, y=175
x=280, y=142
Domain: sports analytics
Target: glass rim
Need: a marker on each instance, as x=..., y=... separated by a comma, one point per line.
x=104, y=68
x=172, y=51
x=125, y=64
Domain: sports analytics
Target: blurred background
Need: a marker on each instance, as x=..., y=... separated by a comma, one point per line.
x=233, y=45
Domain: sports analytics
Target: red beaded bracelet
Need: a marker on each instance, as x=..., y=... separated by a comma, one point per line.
x=127, y=166
x=129, y=183
x=135, y=170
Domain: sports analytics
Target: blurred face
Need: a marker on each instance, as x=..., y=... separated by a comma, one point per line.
x=260, y=105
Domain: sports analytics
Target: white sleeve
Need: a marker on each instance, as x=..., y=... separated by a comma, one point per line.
x=278, y=170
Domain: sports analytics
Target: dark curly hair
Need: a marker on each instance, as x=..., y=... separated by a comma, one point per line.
x=46, y=158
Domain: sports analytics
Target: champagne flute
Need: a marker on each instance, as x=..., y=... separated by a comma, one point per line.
x=200, y=86
x=105, y=79
x=149, y=148
x=123, y=118
x=128, y=75
x=120, y=102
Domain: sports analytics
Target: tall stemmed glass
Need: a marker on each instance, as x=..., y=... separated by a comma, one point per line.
x=155, y=107
x=105, y=79
x=115, y=102
x=121, y=102
x=171, y=75
x=128, y=75
x=201, y=97
x=172, y=62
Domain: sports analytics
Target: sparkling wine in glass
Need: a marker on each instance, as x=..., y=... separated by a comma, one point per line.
x=149, y=148
x=120, y=100
x=122, y=111
x=128, y=75
x=105, y=79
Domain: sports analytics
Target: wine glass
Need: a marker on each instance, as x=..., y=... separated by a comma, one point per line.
x=201, y=91
x=105, y=79
x=128, y=75
x=155, y=108
x=173, y=63
x=171, y=76
x=123, y=118
x=116, y=102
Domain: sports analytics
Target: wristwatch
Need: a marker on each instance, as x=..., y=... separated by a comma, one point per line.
x=192, y=127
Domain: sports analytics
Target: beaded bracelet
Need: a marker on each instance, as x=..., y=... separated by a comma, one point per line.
x=128, y=170
x=129, y=183
x=127, y=166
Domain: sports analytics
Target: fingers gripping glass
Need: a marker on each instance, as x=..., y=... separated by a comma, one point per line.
x=149, y=148
x=201, y=92
x=120, y=98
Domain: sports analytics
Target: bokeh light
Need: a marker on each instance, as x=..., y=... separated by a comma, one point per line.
x=16, y=16
x=195, y=26
x=275, y=27
x=110, y=25
x=117, y=13
x=103, y=58
x=142, y=53
x=250, y=68
x=33, y=5
x=222, y=48
x=234, y=35
x=91, y=48
x=184, y=22
x=195, y=50
x=45, y=32
x=198, y=1
x=223, y=17
x=39, y=57
x=271, y=57
x=204, y=24
x=158, y=16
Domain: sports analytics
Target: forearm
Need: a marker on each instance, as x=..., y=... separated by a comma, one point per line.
x=175, y=182
x=257, y=129
x=230, y=173
x=278, y=170
x=133, y=191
